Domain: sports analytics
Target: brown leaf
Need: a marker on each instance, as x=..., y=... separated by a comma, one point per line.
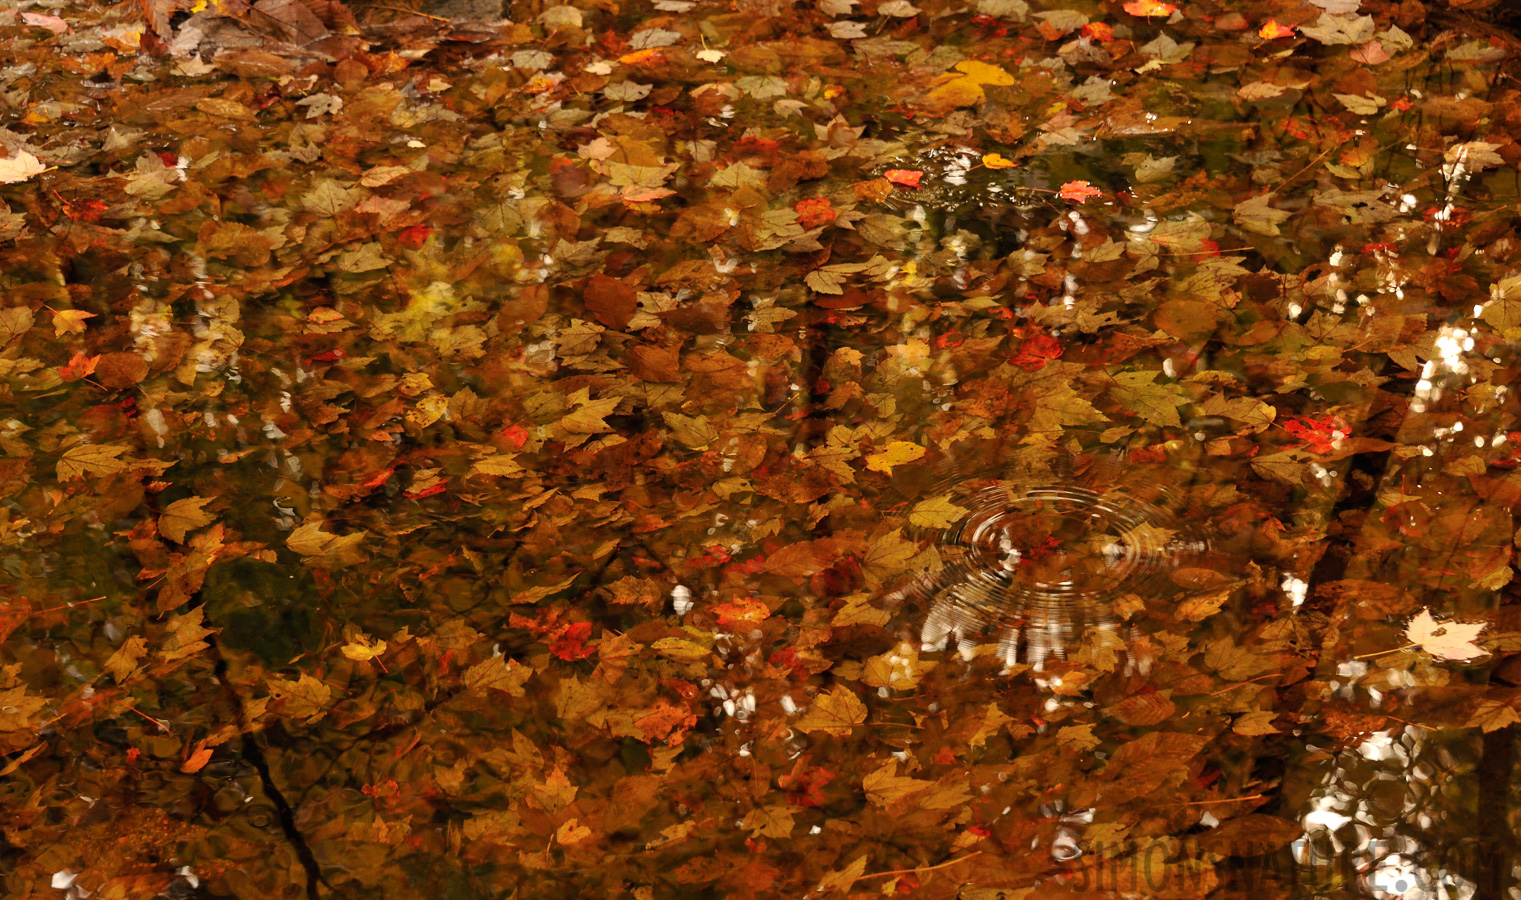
x=836, y=712
x=1150, y=708
x=610, y=301
x=497, y=673
x=657, y=364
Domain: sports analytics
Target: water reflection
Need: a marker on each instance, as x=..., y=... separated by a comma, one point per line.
x=1036, y=566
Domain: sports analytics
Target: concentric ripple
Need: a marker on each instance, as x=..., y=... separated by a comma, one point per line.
x=1042, y=563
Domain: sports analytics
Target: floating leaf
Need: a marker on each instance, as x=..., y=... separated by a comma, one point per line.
x=1445, y=640
x=836, y=712
x=1079, y=191
x=896, y=454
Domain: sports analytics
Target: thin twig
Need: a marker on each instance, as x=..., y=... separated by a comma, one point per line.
x=922, y=868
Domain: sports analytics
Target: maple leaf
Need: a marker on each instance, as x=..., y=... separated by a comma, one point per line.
x=937, y=512
x=497, y=673
x=1036, y=351
x=836, y=712
x=908, y=178
x=91, y=459
x=20, y=167
x=1492, y=715
x=1271, y=30
x=1078, y=191
x=70, y=321
x=896, y=454
x=305, y=698
x=570, y=642
x=995, y=161
x=1445, y=640
x=814, y=211
x=741, y=611
x=1149, y=8
x=317, y=545
x=361, y=649
x=183, y=516
x=1256, y=216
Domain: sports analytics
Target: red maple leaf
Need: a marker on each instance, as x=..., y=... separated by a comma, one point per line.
x=414, y=237
x=1078, y=191
x=908, y=178
x=1318, y=433
x=1036, y=351
x=814, y=211
x=570, y=642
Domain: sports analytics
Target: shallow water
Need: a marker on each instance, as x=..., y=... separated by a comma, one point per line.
x=684, y=450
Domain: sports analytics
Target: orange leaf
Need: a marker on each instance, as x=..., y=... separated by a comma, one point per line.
x=197, y=760
x=904, y=177
x=640, y=56
x=1078, y=191
x=1150, y=8
x=995, y=161
x=1271, y=29
x=1099, y=31
x=744, y=610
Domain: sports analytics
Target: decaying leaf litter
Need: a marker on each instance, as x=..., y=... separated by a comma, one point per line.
x=469, y=455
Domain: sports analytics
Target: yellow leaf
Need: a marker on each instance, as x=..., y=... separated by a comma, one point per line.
x=1255, y=723
x=91, y=459
x=183, y=516
x=588, y=419
x=428, y=410
x=676, y=648
x=955, y=91
x=770, y=821
x=896, y=454
x=572, y=832
x=70, y=321
x=859, y=611
x=983, y=73
x=501, y=464
x=306, y=698
x=937, y=512
x=995, y=161
x=361, y=650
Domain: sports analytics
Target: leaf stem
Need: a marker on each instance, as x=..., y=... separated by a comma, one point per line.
x=1386, y=652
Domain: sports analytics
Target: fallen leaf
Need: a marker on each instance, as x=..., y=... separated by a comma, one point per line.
x=904, y=177
x=1078, y=191
x=1149, y=8
x=183, y=516
x=995, y=161
x=896, y=454
x=198, y=759
x=1272, y=30
x=362, y=650
x=20, y=167
x=1445, y=640
x=1256, y=216
x=836, y=712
